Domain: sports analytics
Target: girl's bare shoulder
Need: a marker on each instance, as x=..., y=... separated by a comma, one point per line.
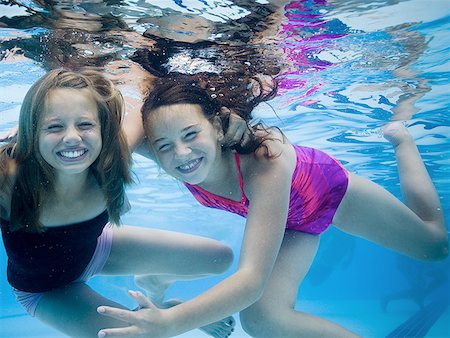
x=275, y=154
x=275, y=147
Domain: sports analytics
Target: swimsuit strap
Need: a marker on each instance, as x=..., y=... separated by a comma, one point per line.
x=241, y=181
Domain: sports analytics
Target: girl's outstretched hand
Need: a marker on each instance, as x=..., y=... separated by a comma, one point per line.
x=147, y=321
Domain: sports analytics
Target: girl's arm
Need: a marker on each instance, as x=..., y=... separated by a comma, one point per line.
x=134, y=82
x=132, y=122
x=267, y=187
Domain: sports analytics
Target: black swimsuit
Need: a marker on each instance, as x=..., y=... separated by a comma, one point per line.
x=39, y=262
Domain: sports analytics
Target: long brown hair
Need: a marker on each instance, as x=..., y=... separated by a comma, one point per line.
x=34, y=176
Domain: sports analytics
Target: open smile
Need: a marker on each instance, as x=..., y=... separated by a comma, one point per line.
x=72, y=155
x=189, y=166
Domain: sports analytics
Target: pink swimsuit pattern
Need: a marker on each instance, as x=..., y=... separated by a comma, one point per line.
x=319, y=183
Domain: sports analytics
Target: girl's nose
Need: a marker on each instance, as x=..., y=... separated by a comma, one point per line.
x=182, y=149
x=72, y=136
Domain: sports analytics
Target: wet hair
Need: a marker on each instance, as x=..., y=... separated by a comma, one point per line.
x=211, y=93
x=224, y=58
x=34, y=177
x=230, y=54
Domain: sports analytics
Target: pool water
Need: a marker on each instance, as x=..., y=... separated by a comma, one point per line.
x=351, y=61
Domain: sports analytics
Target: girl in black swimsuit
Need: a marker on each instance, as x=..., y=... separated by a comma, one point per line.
x=62, y=180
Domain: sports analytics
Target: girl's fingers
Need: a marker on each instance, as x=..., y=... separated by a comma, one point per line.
x=120, y=314
x=126, y=315
x=237, y=129
x=245, y=138
x=139, y=297
x=129, y=331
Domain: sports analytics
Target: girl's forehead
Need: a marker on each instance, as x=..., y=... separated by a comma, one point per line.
x=67, y=101
x=178, y=112
x=166, y=120
x=70, y=95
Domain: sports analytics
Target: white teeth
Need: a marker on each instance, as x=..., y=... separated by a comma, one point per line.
x=189, y=165
x=72, y=154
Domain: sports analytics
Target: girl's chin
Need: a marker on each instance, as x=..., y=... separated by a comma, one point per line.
x=190, y=179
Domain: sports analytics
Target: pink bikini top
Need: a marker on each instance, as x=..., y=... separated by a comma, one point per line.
x=319, y=183
x=214, y=201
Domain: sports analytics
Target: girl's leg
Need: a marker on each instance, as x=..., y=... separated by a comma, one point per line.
x=274, y=314
x=72, y=310
x=145, y=251
x=416, y=228
x=158, y=258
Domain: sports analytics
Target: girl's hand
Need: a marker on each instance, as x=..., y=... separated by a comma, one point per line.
x=147, y=321
x=237, y=132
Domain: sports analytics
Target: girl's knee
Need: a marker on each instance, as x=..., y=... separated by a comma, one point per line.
x=223, y=258
x=257, y=320
x=439, y=247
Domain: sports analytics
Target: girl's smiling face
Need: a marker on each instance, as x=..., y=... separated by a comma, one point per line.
x=184, y=141
x=70, y=137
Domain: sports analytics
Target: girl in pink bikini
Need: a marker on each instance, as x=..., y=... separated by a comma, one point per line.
x=289, y=194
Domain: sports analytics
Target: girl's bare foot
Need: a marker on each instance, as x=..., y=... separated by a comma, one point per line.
x=220, y=329
x=262, y=85
x=13, y=55
x=396, y=133
x=155, y=286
